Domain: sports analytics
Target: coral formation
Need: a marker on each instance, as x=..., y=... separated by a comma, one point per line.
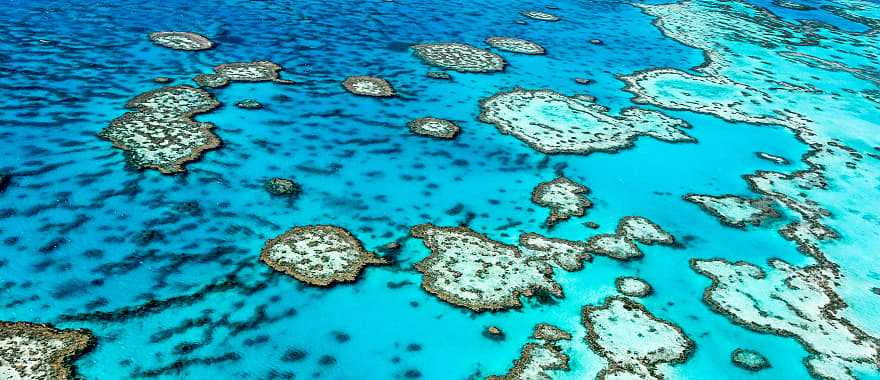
x=541, y=16
x=538, y=358
x=318, y=255
x=621, y=244
x=566, y=254
x=791, y=301
x=249, y=104
x=749, y=359
x=632, y=340
x=368, y=86
x=632, y=286
x=256, y=71
x=160, y=133
x=281, y=186
x=434, y=127
x=735, y=211
x=40, y=352
x=515, y=45
x=565, y=198
x=470, y=270
x=181, y=40
x=459, y=57
x=551, y=122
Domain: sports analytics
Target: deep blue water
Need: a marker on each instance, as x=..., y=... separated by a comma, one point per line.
x=71, y=217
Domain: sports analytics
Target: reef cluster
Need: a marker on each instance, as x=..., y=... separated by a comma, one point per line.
x=318, y=255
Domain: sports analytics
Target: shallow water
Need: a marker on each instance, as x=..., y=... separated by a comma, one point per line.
x=194, y=301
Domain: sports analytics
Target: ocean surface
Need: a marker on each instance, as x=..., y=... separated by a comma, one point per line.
x=165, y=270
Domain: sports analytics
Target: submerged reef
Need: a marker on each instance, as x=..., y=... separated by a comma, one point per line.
x=791, y=301
x=459, y=57
x=434, y=127
x=161, y=134
x=318, y=255
x=551, y=122
x=368, y=86
x=792, y=5
x=735, y=211
x=515, y=45
x=181, y=40
x=256, y=71
x=632, y=340
x=632, y=286
x=773, y=158
x=249, y=104
x=468, y=269
x=621, y=244
x=748, y=359
x=438, y=75
x=538, y=358
x=40, y=352
x=565, y=198
x=540, y=16
x=281, y=187
x=5, y=180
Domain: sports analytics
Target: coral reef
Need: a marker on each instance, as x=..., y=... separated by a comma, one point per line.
x=256, y=71
x=181, y=40
x=40, y=352
x=621, y=244
x=568, y=255
x=749, y=359
x=281, y=186
x=470, y=270
x=161, y=134
x=249, y=104
x=318, y=255
x=459, y=57
x=565, y=198
x=632, y=286
x=791, y=301
x=541, y=16
x=632, y=340
x=735, y=211
x=434, y=127
x=538, y=358
x=515, y=45
x=551, y=122
x=368, y=86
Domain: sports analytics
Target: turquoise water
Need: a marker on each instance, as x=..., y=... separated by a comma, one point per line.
x=196, y=302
